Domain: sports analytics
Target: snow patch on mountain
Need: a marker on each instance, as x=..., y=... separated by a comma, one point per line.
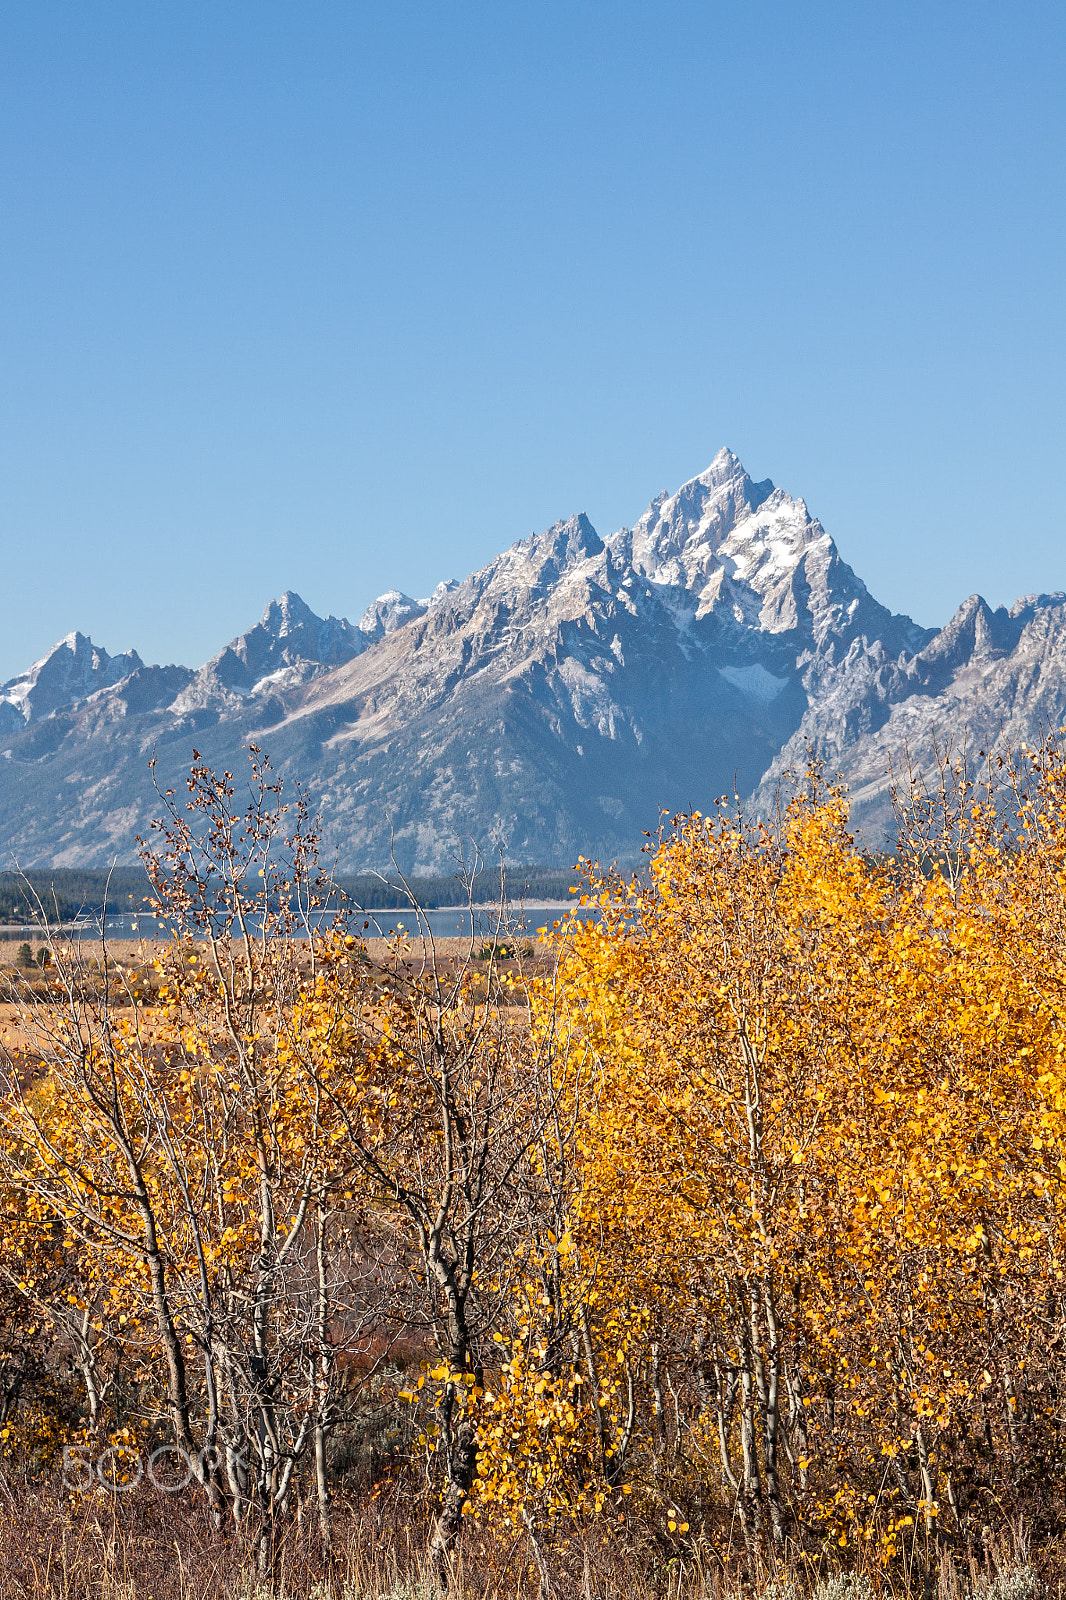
x=754, y=681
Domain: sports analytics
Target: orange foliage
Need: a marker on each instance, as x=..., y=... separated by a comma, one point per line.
x=754, y=1217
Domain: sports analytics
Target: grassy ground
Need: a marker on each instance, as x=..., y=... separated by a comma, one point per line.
x=146, y=1547
x=128, y=956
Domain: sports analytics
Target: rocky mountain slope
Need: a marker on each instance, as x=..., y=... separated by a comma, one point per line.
x=554, y=701
x=988, y=681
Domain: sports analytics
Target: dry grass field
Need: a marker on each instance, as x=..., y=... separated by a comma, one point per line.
x=127, y=958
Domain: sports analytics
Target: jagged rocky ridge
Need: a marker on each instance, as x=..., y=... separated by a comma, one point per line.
x=554, y=701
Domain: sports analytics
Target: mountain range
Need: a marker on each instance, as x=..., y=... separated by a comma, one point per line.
x=552, y=704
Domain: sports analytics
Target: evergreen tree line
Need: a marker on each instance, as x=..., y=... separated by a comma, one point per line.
x=61, y=894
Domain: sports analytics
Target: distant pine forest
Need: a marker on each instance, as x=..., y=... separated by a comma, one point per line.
x=61, y=894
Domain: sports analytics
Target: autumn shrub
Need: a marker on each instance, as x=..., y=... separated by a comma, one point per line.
x=829, y=1160
x=731, y=1237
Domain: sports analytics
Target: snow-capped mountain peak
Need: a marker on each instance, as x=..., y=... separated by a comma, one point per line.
x=389, y=612
x=299, y=635
x=446, y=587
x=751, y=557
x=287, y=646
x=288, y=614
x=677, y=538
x=72, y=670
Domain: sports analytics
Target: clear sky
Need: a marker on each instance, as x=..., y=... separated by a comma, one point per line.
x=347, y=296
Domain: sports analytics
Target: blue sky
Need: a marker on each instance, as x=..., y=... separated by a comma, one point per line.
x=344, y=296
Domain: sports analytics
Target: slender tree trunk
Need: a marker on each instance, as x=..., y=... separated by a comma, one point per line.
x=547, y=1589
x=461, y=1446
x=658, y=1408
x=769, y=1374
x=928, y=1488
x=752, y=1487
x=324, y=1383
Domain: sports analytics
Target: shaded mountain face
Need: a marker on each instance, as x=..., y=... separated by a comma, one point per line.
x=990, y=680
x=551, y=704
